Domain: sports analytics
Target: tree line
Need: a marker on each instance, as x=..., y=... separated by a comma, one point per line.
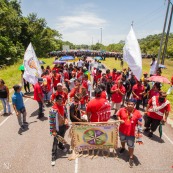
x=17, y=31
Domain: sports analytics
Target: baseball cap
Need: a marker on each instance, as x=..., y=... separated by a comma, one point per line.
x=40, y=79
x=59, y=84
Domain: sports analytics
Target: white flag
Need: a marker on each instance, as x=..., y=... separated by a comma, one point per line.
x=32, y=67
x=132, y=54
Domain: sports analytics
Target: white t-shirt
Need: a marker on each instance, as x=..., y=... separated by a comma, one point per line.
x=153, y=67
x=80, y=63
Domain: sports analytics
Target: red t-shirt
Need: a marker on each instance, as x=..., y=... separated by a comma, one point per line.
x=103, y=94
x=56, y=79
x=97, y=77
x=62, y=93
x=55, y=69
x=37, y=90
x=154, y=115
x=47, y=82
x=84, y=99
x=66, y=75
x=153, y=93
x=172, y=80
x=137, y=89
x=117, y=97
x=73, y=92
x=100, y=110
x=114, y=76
x=85, y=84
x=128, y=127
x=118, y=78
x=59, y=109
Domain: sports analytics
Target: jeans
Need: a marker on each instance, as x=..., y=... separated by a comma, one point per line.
x=62, y=130
x=19, y=117
x=40, y=111
x=5, y=105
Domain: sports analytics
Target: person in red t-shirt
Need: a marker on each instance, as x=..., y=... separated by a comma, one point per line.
x=138, y=91
x=56, y=68
x=119, y=76
x=171, y=88
x=98, y=109
x=130, y=118
x=46, y=87
x=118, y=91
x=76, y=89
x=56, y=78
x=114, y=74
x=61, y=122
x=38, y=96
x=59, y=91
x=157, y=110
x=153, y=92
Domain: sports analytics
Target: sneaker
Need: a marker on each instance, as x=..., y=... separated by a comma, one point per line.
x=122, y=150
x=22, y=127
x=64, y=150
x=150, y=135
x=146, y=130
x=131, y=162
x=53, y=162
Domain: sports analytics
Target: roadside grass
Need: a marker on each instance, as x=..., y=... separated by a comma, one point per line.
x=168, y=72
x=12, y=75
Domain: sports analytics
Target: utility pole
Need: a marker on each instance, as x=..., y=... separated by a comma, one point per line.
x=161, y=42
x=167, y=35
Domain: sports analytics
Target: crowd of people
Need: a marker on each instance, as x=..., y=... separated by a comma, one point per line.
x=68, y=89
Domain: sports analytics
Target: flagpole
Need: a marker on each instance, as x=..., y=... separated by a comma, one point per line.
x=161, y=42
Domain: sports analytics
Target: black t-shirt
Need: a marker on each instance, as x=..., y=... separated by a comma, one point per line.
x=74, y=111
x=109, y=86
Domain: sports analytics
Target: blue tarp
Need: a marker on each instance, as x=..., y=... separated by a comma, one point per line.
x=66, y=58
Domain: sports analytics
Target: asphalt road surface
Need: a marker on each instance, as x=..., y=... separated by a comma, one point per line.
x=29, y=151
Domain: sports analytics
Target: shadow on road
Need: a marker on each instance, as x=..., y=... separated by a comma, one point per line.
x=61, y=154
x=43, y=119
x=125, y=156
x=23, y=130
x=155, y=138
x=35, y=113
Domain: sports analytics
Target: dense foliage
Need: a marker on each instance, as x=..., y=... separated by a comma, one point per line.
x=17, y=31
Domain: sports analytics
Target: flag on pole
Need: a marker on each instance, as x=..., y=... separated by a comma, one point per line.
x=32, y=67
x=132, y=54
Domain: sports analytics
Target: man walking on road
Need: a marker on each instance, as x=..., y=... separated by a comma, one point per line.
x=130, y=117
x=38, y=96
x=59, y=126
x=157, y=110
x=18, y=105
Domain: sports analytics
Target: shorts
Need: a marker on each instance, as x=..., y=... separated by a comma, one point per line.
x=129, y=139
x=117, y=105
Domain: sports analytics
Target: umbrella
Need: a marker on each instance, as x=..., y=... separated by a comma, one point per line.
x=41, y=62
x=59, y=62
x=162, y=66
x=22, y=67
x=98, y=58
x=160, y=79
x=66, y=58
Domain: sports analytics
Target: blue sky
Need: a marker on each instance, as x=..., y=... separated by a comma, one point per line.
x=80, y=21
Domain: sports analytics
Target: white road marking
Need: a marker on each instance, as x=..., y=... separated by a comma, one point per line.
x=168, y=138
x=10, y=116
x=76, y=165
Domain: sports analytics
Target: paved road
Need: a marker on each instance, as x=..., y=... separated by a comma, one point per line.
x=30, y=151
